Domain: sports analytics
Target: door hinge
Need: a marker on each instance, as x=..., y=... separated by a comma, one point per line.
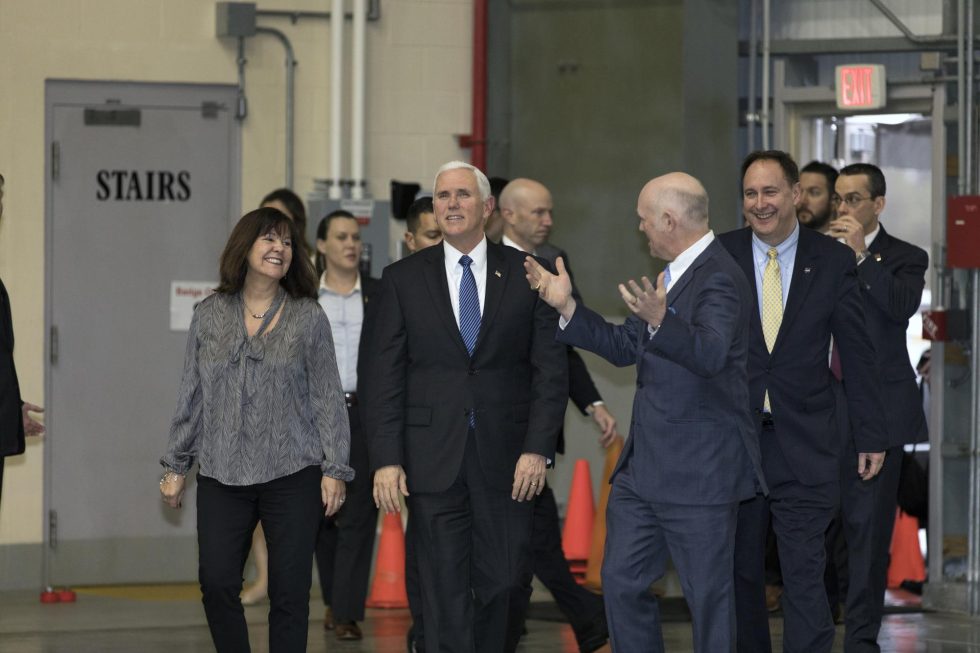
x=52, y=529
x=53, y=346
x=55, y=160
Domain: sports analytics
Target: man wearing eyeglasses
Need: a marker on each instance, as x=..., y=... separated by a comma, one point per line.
x=891, y=275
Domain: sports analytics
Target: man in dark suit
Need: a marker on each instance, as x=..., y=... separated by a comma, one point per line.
x=692, y=453
x=804, y=291
x=891, y=275
x=15, y=420
x=526, y=207
x=468, y=391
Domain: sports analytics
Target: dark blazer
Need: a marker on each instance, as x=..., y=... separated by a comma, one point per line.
x=424, y=383
x=692, y=437
x=892, y=279
x=370, y=293
x=11, y=419
x=823, y=300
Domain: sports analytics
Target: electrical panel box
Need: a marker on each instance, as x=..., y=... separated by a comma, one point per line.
x=373, y=215
x=963, y=232
x=235, y=19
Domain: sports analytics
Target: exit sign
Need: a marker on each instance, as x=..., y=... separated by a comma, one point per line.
x=860, y=86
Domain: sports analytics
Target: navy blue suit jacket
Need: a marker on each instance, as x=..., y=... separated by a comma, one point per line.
x=692, y=437
x=892, y=279
x=823, y=300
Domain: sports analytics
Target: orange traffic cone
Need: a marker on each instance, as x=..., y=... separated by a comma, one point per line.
x=906, y=556
x=593, y=571
x=388, y=586
x=576, y=537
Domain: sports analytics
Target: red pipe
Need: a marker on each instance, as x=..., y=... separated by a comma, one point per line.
x=477, y=138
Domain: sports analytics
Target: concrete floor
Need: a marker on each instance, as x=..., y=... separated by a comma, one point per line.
x=103, y=624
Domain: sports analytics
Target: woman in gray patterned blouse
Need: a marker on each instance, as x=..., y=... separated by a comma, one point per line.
x=261, y=409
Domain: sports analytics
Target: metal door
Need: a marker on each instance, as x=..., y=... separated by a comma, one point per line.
x=143, y=187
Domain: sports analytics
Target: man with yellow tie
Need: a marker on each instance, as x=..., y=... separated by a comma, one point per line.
x=807, y=292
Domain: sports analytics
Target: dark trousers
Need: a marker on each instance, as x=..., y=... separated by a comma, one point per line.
x=640, y=537
x=345, y=542
x=473, y=550
x=413, y=586
x=800, y=517
x=868, y=582
x=581, y=607
x=290, y=509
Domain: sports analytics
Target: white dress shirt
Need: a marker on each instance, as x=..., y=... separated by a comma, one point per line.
x=346, y=315
x=683, y=261
x=454, y=272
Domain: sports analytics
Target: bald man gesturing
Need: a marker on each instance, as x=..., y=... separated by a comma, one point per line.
x=693, y=452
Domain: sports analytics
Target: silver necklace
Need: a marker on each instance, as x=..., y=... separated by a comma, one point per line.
x=258, y=316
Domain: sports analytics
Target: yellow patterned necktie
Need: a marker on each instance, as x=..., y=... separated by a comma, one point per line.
x=772, y=305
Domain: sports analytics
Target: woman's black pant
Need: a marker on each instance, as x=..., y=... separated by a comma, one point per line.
x=290, y=509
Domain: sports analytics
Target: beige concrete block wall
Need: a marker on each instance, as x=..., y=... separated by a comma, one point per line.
x=418, y=93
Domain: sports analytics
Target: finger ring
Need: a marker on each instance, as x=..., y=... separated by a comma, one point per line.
x=534, y=482
x=536, y=286
x=341, y=500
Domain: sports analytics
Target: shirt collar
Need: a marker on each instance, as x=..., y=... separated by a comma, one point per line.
x=511, y=243
x=762, y=249
x=325, y=289
x=871, y=237
x=478, y=253
x=683, y=261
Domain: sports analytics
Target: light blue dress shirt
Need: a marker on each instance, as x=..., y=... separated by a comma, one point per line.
x=785, y=254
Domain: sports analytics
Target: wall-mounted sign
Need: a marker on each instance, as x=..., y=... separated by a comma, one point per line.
x=362, y=209
x=860, y=86
x=184, y=296
x=143, y=185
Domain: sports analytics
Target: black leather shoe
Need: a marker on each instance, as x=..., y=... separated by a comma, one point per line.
x=349, y=631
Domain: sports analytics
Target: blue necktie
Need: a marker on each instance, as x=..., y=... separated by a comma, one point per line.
x=469, y=313
x=667, y=278
x=469, y=306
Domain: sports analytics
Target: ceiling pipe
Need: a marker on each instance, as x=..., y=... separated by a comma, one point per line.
x=915, y=38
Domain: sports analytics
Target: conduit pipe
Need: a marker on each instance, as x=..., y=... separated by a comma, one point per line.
x=241, y=110
x=290, y=96
x=915, y=38
x=764, y=108
x=476, y=140
x=358, y=48
x=336, y=94
x=751, y=117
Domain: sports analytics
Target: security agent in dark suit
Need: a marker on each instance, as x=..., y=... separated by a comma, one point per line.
x=526, y=207
x=345, y=542
x=15, y=421
x=692, y=453
x=805, y=290
x=468, y=391
x=891, y=275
